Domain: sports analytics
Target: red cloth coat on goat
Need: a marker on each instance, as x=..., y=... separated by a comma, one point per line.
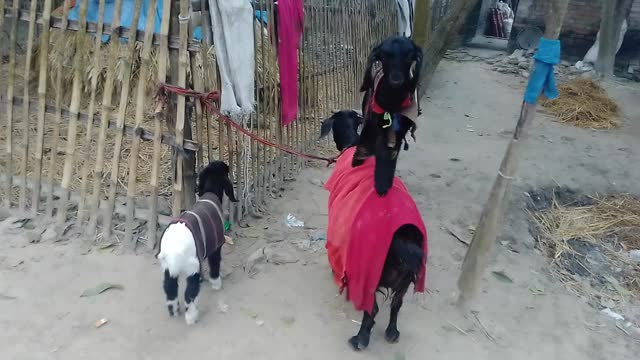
x=361, y=227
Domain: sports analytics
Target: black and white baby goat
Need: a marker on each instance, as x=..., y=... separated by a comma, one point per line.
x=198, y=234
x=389, y=105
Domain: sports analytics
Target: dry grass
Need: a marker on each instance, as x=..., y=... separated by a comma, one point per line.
x=593, y=242
x=584, y=103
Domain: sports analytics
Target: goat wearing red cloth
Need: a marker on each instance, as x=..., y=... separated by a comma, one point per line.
x=373, y=242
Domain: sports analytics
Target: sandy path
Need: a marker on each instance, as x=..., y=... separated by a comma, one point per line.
x=291, y=312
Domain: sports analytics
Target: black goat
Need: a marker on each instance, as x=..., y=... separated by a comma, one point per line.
x=406, y=255
x=389, y=105
x=198, y=234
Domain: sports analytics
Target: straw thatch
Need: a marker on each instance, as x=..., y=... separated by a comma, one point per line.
x=584, y=103
x=589, y=246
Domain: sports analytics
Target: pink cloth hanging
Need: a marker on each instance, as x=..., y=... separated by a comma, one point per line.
x=290, y=25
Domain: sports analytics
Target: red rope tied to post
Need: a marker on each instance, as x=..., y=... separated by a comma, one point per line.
x=207, y=99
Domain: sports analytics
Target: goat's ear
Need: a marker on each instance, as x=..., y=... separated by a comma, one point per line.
x=417, y=64
x=326, y=127
x=202, y=178
x=367, y=81
x=228, y=189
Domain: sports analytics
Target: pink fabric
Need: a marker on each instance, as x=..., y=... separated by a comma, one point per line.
x=290, y=25
x=361, y=226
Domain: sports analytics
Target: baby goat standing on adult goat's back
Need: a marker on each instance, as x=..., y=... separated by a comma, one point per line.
x=198, y=234
x=373, y=242
x=389, y=105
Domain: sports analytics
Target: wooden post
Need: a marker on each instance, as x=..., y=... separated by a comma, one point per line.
x=42, y=99
x=613, y=14
x=484, y=238
x=87, y=149
x=163, y=57
x=13, y=39
x=422, y=23
x=107, y=99
x=74, y=110
x=130, y=240
x=122, y=113
x=22, y=202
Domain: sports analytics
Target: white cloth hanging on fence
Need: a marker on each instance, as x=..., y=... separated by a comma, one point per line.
x=232, y=26
x=405, y=16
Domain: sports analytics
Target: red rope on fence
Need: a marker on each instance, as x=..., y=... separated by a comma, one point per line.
x=207, y=99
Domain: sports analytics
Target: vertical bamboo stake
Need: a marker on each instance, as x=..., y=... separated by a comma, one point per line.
x=122, y=112
x=53, y=165
x=163, y=56
x=141, y=95
x=42, y=93
x=178, y=185
x=197, y=74
x=22, y=202
x=485, y=236
x=86, y=151
x=13, y=39
x=107, y=99
x=74, y=109
x=256, y=43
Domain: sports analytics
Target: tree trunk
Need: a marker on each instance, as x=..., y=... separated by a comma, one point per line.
x=436, y=44
x=613, y=14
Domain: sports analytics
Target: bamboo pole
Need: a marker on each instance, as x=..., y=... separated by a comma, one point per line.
x=22, y=201
x=130, y=241
x=178, y=185
x=72, y=132
x=42, y=99
x=107, y=99
x=53, y=161
x=484, y=238
x=163, y=56
x=13, y=39
x=122, y=111
x=197, y=74
x=97, y=59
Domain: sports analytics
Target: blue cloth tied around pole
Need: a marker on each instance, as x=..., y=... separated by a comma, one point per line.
x=542, y=79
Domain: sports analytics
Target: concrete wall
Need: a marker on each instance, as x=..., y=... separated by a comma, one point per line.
x=580, y=26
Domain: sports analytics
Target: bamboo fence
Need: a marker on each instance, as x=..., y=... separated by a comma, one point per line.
x=83, y=141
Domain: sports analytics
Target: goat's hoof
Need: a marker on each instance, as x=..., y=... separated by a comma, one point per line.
x=357, y=343
x=216, y=284
x=392, y=336
x=382, y=191
x=191, y=315
x=174, y=308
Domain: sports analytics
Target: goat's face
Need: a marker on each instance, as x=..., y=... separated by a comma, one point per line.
x=344, y=125
x=214, y=178
x=401, y=61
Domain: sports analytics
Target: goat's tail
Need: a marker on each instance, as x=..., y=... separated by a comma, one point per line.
x=408, y=251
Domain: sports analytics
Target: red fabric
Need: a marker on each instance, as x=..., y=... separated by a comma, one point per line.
x=290, y=22
x=361, y=227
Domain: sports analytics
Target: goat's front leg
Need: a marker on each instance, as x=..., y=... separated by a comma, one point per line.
x=191, y=299
x=361, y=340
x=385, y=168
x=214, y=269
x=170, y=286
x=392, y=334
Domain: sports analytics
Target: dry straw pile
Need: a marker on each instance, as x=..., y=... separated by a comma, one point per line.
x=584, y=103
x=589, y=246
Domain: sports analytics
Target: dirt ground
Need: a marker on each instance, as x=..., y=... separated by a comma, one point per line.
x=291, y=311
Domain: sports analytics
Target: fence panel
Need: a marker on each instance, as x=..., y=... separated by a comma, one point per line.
x=84, y=141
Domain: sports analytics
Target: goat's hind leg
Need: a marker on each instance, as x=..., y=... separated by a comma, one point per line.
x=361, y=340
x=170, y=286
x=191, y=299
x=214, y=269
x=391, y=334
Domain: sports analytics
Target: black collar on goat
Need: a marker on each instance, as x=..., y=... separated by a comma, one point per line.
x=389, y=106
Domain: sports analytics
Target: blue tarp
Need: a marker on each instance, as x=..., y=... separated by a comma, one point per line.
x=126, y=17
x=542, y=79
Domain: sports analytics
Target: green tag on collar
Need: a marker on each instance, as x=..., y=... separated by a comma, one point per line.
x=387, y=117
